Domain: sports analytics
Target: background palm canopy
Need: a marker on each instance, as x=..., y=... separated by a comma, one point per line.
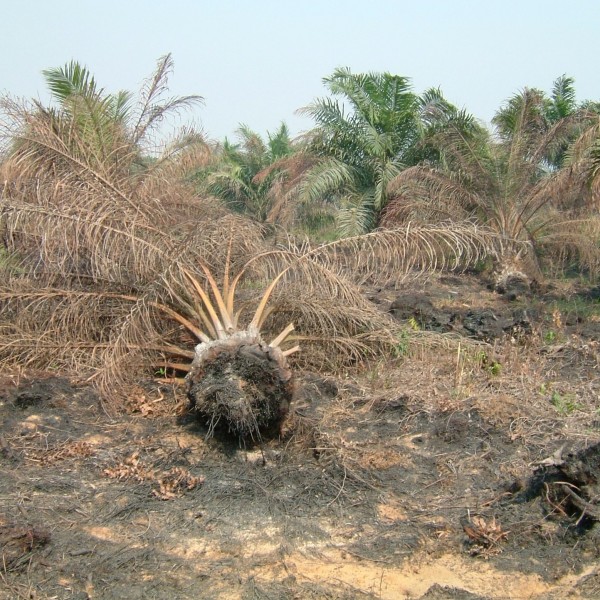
x=364, y=139
x=234, y=179
x=545, y=112
x=523, y=182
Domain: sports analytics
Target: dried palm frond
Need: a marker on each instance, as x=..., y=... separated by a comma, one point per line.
x=163, y=319
x=152, y=107
x=285, y=201
x=387, y=255
x=573, y=242
x=116, y=336
x=55, y=328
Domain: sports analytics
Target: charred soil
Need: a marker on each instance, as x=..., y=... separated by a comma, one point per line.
x=467, y=466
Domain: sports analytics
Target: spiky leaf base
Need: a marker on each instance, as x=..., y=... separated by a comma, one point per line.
x=241, y=385
x=515, y=275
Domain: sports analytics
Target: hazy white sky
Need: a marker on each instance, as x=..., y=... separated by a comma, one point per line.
x=258, y=61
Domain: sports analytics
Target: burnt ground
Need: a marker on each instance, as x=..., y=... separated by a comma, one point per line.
x=465, y=467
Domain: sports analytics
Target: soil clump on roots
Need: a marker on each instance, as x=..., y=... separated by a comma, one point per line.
x=243, y=387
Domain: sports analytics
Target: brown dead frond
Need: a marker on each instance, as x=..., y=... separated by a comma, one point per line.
x=152, y=106
x=285, y=204
x=115, y=335
x=390, y=255
x=574, y=242
x=82, y=161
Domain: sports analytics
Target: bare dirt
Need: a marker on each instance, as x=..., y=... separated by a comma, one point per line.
x=465, y=469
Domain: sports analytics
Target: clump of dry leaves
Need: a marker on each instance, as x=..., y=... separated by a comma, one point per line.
x=171, y=484
x=484, y=536
x=68, y=449
x=141, y=402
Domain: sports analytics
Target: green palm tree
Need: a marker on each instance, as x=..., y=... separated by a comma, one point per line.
x=364, y=138
x=546, y=112
x=73, y=85
x=91, y=123
x=502, y=181
x=247, y=171
x=108, y=132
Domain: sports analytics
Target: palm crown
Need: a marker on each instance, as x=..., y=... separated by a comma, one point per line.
x=365, y=139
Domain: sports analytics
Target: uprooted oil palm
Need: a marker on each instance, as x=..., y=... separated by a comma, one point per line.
x=236, y=376
x=111, y=268
x=114, y=326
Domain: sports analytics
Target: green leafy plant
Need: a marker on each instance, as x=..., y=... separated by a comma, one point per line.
x=414, y=324
x=493, y=367
x=565, y=404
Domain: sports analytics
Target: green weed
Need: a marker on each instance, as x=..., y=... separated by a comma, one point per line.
x=402, y=346
x=493, y=367
x=581, y=308
x=565, y=404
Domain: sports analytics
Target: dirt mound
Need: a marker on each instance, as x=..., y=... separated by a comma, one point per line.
x=446, y=309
